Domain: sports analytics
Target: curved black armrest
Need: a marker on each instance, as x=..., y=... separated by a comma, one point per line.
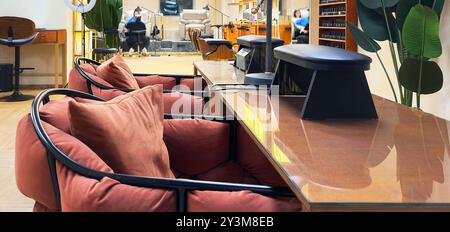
x=182, y=186
x=18, y=42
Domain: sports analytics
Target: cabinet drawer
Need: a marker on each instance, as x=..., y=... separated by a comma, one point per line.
x=47, y=37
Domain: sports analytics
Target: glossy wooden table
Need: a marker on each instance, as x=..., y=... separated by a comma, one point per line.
x=219, y=72
x=399, y=162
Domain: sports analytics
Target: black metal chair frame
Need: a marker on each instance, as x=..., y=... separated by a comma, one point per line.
x=90, y=81
x=180, y=186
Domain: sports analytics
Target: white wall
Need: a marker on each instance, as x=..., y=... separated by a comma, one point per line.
x=438, y=103
x=49, y=14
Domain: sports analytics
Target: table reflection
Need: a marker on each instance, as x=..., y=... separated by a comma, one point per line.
x=401, y=158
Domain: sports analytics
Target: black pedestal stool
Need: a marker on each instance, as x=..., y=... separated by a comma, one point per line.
x=332, y=79
x=15, y=32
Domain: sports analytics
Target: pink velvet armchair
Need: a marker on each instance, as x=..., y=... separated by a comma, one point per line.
x=216, y=165
x=84, y=78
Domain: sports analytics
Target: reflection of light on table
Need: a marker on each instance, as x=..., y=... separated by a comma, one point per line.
x=259, y=130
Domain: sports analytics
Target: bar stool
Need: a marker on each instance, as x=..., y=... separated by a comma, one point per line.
x=15, y=32
x=140, y=42
x=333, y=80
x=104, y=53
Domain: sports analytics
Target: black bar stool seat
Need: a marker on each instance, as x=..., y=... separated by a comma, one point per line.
x=104, y=53
x=332, y=79
x=258, y=41
x=16, y=32
x=323, y=58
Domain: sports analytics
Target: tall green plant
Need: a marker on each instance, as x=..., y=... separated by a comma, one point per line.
x=412, y=25
x=105, y=17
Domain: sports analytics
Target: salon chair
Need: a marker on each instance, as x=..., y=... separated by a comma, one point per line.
x=15, y=32
x=219, y=49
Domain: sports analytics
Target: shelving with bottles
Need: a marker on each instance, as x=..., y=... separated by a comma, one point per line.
x=330, y=18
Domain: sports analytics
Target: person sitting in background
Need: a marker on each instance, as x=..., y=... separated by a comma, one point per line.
x=132, y=20
x=136, y=37
x=301, y=25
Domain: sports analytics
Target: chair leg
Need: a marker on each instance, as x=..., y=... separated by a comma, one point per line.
x=17, y=96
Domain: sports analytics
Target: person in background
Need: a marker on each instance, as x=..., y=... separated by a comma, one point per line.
x=136, y=25
x=132, y=20
x=297, y=15
x=301, y=24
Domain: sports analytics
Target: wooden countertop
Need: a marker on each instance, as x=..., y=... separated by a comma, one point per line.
x=399, y=162
x=219, y=72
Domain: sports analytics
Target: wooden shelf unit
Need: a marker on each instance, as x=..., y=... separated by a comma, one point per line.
x=328, y=23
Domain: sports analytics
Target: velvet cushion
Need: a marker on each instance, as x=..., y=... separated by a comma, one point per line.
x=192, y=83
x=78, y=193
x=108, y=195
x=31, y=165
x=116, y=72
x=196, y=146
x=168, y=82
x=229, y=172
x=77, y=82
x=181, y=103
x=133, y=127
x=242, y=201
x=253, y=161
x=56, y=112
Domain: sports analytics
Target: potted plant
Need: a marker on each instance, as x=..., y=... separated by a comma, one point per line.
x=105, y=18
x=413, y=26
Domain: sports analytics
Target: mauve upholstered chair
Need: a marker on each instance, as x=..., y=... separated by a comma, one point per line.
x=218, y=168
x=83, y=77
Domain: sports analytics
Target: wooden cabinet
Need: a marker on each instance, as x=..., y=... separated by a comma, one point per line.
x=51, y=36
x=57, y=39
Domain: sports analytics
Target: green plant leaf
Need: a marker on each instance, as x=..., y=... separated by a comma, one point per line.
x=105, y=15
x=432, y=77
x=374, y=4
x=372, y=23
x=364, y=41
x=403, y=9
x=421, y=32
x=438, y=6
x=405, y=6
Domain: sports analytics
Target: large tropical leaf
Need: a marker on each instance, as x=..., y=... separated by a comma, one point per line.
x=403, y=9
x=432, y=77
x=374, y=4
x=421, y=32
x=438, y=5
x=106, y=15
x=374, y=25
x=364, y=41
x=405, y=6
